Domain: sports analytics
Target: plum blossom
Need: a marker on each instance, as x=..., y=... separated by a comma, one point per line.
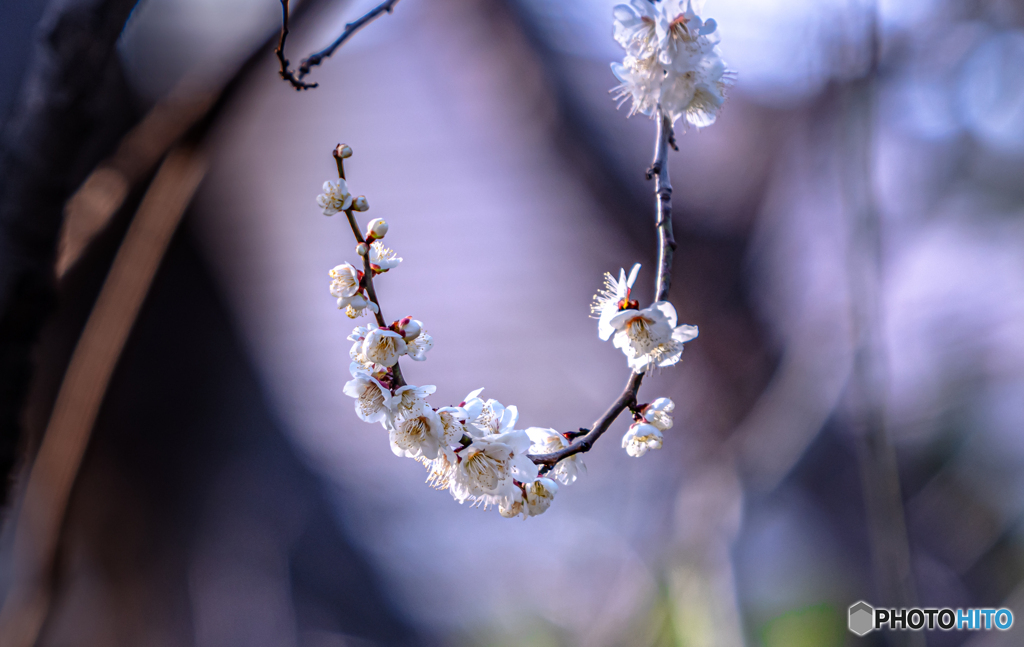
x=418, y=346
x=546, y=441
x=382, y=259
x=650, y=337
x=335, y=198
x=671, y=60
x=417, y=435
x=453, y=420
x=383, y=346
x=411, y=400
x=489, y=465
x=490, y=417
x=539, y=496
x=659, y=413
x=373, y=400
x=641, y=437
x=611, y=298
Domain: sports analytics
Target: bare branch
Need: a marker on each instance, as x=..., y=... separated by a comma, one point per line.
x=626, y=399
x=285, y=72
x=350, y=29
x=666, y=246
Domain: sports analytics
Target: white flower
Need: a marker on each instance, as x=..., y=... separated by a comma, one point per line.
x=335, y=197
x=453, y=419
x=383, y=346
x=612, y=298
x=373, y=400
x=546, y=441
x=512, y=505
x=440, y=470
x=650, y=337
x=659, y=413
x=411, y=400
x=357, y=305
x=489, y=465
x=419, y=345
x=344, y=282
x=635, y=27
x=490, y=417
x=640, y=438
x=382, y=259
x=539, y=496
x=418, y=435
x=671, y=61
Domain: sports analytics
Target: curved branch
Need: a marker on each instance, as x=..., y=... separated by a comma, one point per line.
x=666, y=246
x=285, y=71
x=350, y=29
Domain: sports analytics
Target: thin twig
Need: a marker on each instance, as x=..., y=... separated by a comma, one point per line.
x=351, y=28
x=285, y=72
x=666, y=245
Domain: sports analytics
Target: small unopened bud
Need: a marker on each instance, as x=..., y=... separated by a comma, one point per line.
x=377, y=228
x=362, y=249
x=343, y=151
x=360, y=204
x=410, y=328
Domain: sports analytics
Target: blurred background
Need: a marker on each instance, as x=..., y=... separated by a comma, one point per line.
x=851, y=245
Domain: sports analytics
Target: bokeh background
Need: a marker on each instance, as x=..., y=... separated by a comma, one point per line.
x=229, y=496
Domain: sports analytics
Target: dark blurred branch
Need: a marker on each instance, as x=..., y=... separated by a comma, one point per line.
x=318, y=57
x=285, y=71
x=78, y=403
x=869, y=384
x=666, y=246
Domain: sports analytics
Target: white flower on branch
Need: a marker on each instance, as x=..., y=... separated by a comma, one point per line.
x=382, y=259
x=418, y=346
x=344, y=282
x=335, y=198
x=383, y=346
x=640, y=438
x=612, y=298
x=440, y=470
x=671, y=61
x=650, y=337
x=659, y=413
x=417, y=435
x=411, y=400
x=373, y=400
x=490, y=417
x=453, y=419
x=489, y=465
x=546, y=441
x=358, y=304
x=539, y=496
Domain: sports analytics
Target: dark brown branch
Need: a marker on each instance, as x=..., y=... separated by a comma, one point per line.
x=285, y=71
x=666, y=245
x=663, y=206
x=350, y=29
x=624, y=401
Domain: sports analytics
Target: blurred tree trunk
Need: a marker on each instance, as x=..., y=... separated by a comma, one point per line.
x=73, y=107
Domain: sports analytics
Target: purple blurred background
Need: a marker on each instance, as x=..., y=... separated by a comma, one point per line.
x=484, y=134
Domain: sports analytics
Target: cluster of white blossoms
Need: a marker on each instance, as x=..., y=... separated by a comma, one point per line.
x=649, y=337
x=473, y=449
x=672, y=60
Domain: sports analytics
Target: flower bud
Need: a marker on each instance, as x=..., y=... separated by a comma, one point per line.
x=410, y=328
x=343, y=151
x=360, y=204
x=377, y=228
x=362, y=249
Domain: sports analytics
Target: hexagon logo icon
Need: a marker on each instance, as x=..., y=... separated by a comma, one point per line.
x=862, y=618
